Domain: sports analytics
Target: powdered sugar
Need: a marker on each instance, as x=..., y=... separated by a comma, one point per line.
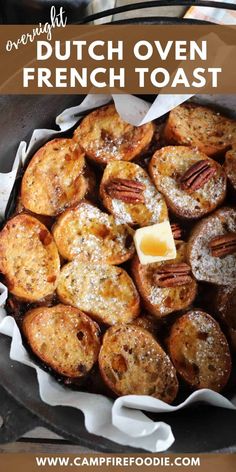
x=221, y=271
x=142, y=214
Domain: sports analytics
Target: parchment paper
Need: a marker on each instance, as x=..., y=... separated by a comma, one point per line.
x=120, y=421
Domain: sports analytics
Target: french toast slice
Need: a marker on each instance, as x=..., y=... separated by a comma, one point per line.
x=161, y=298
x=54, y=178
x=104, y=292
x=225, y=309
x=104, y=136
x=211, y=250
x=230, y=167
x=86, y=233
x=29, y=259
x=128, y=193
x=198, y=126
x=192, y=183
x=64, y=338
x=132, y=362
x=199, y=351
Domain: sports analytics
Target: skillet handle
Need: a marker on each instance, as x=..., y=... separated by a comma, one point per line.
x=15, y=420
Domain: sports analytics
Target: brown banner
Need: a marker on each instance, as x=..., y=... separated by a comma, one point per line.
x=117, y=59
x=114, y=462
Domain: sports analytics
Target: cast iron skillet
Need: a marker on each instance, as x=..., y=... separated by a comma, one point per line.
x=197, y=429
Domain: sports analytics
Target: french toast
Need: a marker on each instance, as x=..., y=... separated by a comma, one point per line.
x=29, y=259
x=132, y=362
x=104, y=136
x=148, y=322
x=128, y=193
x=230, y=167
x=192, y=183
x=86, y=233
x=64, y=338
x=165, y=287
x=224, y=301
x=211, y=250
x=104, y=292
x=54, y=178
x=201, y=127
x=199, y=351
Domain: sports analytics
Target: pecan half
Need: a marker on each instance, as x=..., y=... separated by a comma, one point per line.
x=176, y=231
x=173, y=275
x=224, y=245
x=129, y=191
x=197, y=176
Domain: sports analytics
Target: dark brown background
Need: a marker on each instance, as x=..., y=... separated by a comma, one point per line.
x=221, y=53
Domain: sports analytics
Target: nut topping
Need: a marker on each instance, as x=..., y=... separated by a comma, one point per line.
x=176, y=231
x=223, y=246
x=129, y=191
x=173, y=275
x=197, y=176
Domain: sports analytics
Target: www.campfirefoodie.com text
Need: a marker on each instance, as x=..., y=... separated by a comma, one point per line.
x=114, y=461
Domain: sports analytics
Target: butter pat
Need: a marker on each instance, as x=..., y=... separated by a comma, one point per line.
x=155, y=243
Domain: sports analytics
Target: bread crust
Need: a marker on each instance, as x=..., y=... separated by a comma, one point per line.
x=29, y=258
x=64, y=338
x=153, y=210
x=225, y=308
x=148, y=322
x=104, y=136
x=230, y=167
x=90, y=235
x=201, y=127
x=132, y=362
x=54, y=178
x=205, y=267
x=199, y=351
x=169, y=164
x=160, y=301
x=104, y=292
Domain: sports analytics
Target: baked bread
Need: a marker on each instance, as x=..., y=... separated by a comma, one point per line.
x=192, y=183
x=29, y=258
x=211, y=250
x=104, y=292
x=224, y=300
x=132, y=362
x=165, y=287
x=201, y=127
x=199, y=351
x=230, y=167
x=53, y=179
x=128, y=193
x=148, y=322
x=86, y=233
x=104, y=136
x=64, y=338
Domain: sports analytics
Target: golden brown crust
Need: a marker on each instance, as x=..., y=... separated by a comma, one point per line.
x=64, y=338
x=201, y=127
x=90, y=235
x=148, y=322
x=230, y=166
x=152, y=210
x=166, y=168
x=132, y=362
x=29, y=258
x=104, y=292
x=224, y=300
x=205, y=267
x=158, y=300
x=53, y=179
x=104, y=136
x=199, y=351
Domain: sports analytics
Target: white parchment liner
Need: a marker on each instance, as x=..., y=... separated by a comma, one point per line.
x=121, y=420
